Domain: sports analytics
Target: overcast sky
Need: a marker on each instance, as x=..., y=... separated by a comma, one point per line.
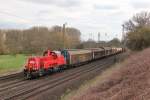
x=89, y=16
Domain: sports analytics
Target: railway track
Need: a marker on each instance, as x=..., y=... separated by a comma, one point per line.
x=25, y=89
x=11, y=79
x=11, y=76
x=62, y=81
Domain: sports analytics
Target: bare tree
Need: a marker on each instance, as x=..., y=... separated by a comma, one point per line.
x=139, y=20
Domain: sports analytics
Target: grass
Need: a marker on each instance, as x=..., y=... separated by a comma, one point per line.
x=9, y=63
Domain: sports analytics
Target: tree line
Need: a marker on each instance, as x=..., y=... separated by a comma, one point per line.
x=137, y=31
x=37, y=39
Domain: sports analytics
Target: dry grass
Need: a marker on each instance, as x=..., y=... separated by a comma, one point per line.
x=129, y=80
x=89, y=84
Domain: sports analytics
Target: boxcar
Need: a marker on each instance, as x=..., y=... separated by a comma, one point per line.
x=77, y=56
x=114, y=50
x=108, y=51
x=97, y=52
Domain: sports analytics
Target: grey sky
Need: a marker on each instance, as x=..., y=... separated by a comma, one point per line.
x=60, y=3
x=90, y=16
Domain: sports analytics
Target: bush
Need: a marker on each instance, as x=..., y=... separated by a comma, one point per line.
x=139, y=39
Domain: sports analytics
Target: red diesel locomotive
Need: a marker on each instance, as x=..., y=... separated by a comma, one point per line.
x=49, y=61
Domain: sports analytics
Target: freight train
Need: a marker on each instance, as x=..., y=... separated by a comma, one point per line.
x=54, y=60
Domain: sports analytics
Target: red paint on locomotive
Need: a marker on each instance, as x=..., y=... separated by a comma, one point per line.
x=48, y=60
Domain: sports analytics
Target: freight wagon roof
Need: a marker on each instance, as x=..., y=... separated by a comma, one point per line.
x=107, y=48
x=72, y=49
x=95, y=49
x=72, y=52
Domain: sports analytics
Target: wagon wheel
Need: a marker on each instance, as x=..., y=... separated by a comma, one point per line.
x=41, y=72
x=28, y=75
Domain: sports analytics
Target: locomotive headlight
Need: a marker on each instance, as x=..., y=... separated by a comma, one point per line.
x=32, y=62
